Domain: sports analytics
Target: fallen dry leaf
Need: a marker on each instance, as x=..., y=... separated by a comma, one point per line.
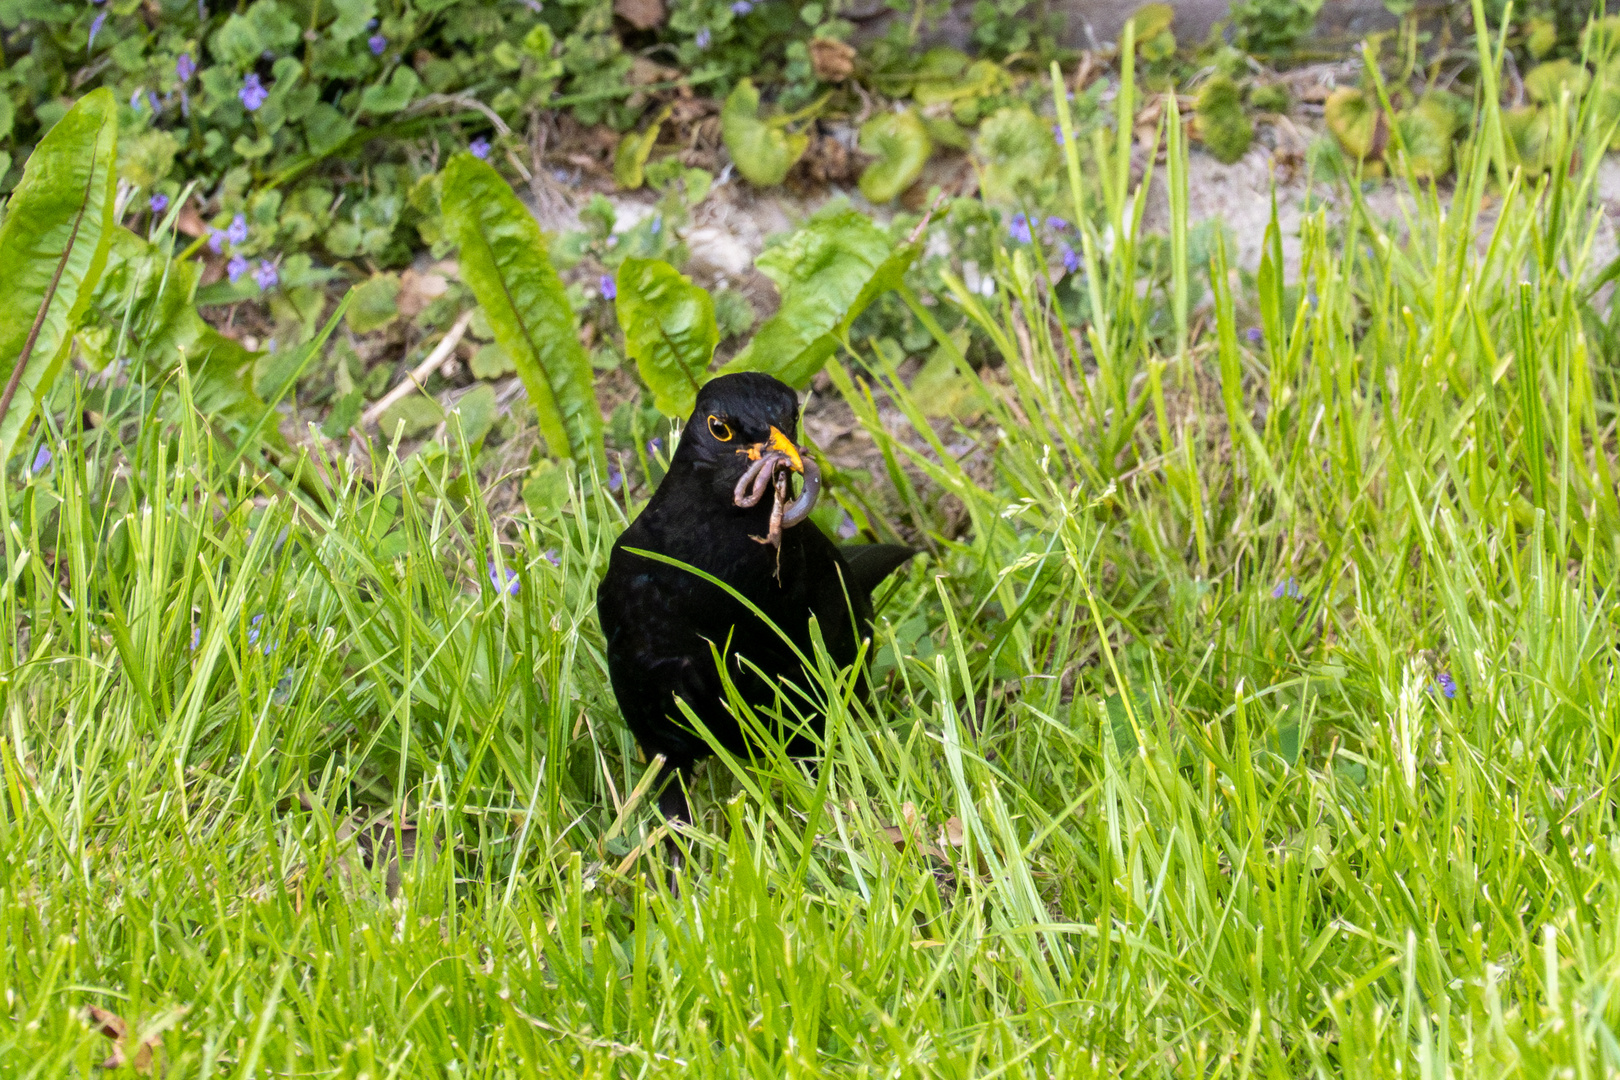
x=417, y=291
x=644, y=72
x=115, y=1028
x=641, y=14
x=189, y=222
x=834, y=61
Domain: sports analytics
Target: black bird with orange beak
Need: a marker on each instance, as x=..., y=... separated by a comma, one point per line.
x=726, y=507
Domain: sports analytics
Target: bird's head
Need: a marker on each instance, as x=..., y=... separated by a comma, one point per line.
x=740, y=436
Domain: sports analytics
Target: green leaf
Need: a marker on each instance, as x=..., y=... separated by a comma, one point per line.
x=375, y=303
x=1427, y=130
x=503, y=261
x=827, y=273
x=477, y=411
x=1356, y=122
x=1545, y=82
x=53, y=247
x=1016, y=153
x=630, y=160
x=392, y=96
x=352, y=18
x=901, y=145
x=669, y=331
x=762, y=151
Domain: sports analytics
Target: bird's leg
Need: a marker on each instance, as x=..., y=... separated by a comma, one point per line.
x=677, y=811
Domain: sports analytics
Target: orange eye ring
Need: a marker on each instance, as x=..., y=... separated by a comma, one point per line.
x=720, y=429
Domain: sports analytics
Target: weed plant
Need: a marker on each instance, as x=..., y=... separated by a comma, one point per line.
x=1263, y=722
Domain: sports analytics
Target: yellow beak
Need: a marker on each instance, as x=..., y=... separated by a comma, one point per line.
x=779, y=441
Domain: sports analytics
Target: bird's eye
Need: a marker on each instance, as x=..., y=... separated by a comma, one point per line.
x=719, y=429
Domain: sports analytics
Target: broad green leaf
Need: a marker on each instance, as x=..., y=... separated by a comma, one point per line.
x=900, y=143
x=630, y=160
x=1529, y=131
x=477, y=410
x=1427, y=130
x=669, y=331
x=503, y=261
x=375, y=303
x=827, y=273
x=762, y=151
x=352, y=19
x=1016, y=152
x=59, y=220
x=392, y=96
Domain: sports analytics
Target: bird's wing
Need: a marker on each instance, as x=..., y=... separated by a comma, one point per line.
x=869, y=564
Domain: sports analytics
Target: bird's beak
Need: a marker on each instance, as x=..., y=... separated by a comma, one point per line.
x=779, y=441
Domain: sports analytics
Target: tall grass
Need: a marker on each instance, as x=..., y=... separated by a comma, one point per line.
x=1164, y=777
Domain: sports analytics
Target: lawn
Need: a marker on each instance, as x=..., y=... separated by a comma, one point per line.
x=1259, y=719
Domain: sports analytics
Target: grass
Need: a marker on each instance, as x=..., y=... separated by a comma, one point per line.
x=1162, y=779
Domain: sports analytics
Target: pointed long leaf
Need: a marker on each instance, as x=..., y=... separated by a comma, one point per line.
x=53, y=247
x=669, y=331
x=503, y=261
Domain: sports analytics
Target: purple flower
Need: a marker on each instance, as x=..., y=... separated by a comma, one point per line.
x=1071, y=261
x=479, y=148
x=615, y=478
x=551, y=556
x=95, y=28
x=216, y=241
x=533, y=5
x=657, y=224
x=202, y=11
x=378, y=43
x=42, y=460
x=609, y=290
x=846, y=528
x=741, y=8
x=253, y=93
x=371, y=24
x=511, y=584
x=1448, y=685
x=1255, y=335
x=654, y=446
x=1289, y=588
x=135, y=101
x=158, y=203
x=1057, y=133
x=152, y=98
x=1057, y=224
x=701, y=38
x=253, y=634
x=196, y=637
x=238, y=230
x=236, y=268
x=185, y=67
x=266, y=274
x=1018, y=228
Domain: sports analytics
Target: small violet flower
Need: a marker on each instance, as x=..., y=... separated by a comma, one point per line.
x=657, y=224
x=158, y=203
x=702, y=38
x=846, y=528
x=551, y=556
x=533, y=5
x=95, y=28
x=135, y=101
x=216, y=241
x=1255, y=335
x=1057, y=224
x=196, y=637
x=152, y=99
x=479, y=148
x=1447, y=684
x=253, y=634
x=1071, y=261
x=378, y=44
x=654, y=446
x=1057, y=133
x=253, y=93
x=42, y=460
x=741, y=8
x=511, y=584
x=609, y=289
x=266, y=275
x=185, y=67
x=236, y=268
x=1289, y=588
x=1018, y=228
x=238, y=230
x=615, y=478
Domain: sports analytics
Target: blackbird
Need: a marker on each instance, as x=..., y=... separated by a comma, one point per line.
x=711, y=512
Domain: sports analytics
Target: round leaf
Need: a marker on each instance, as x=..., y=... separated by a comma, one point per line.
x=901, y=145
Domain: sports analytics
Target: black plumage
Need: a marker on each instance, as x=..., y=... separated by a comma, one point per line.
x=711, y=512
